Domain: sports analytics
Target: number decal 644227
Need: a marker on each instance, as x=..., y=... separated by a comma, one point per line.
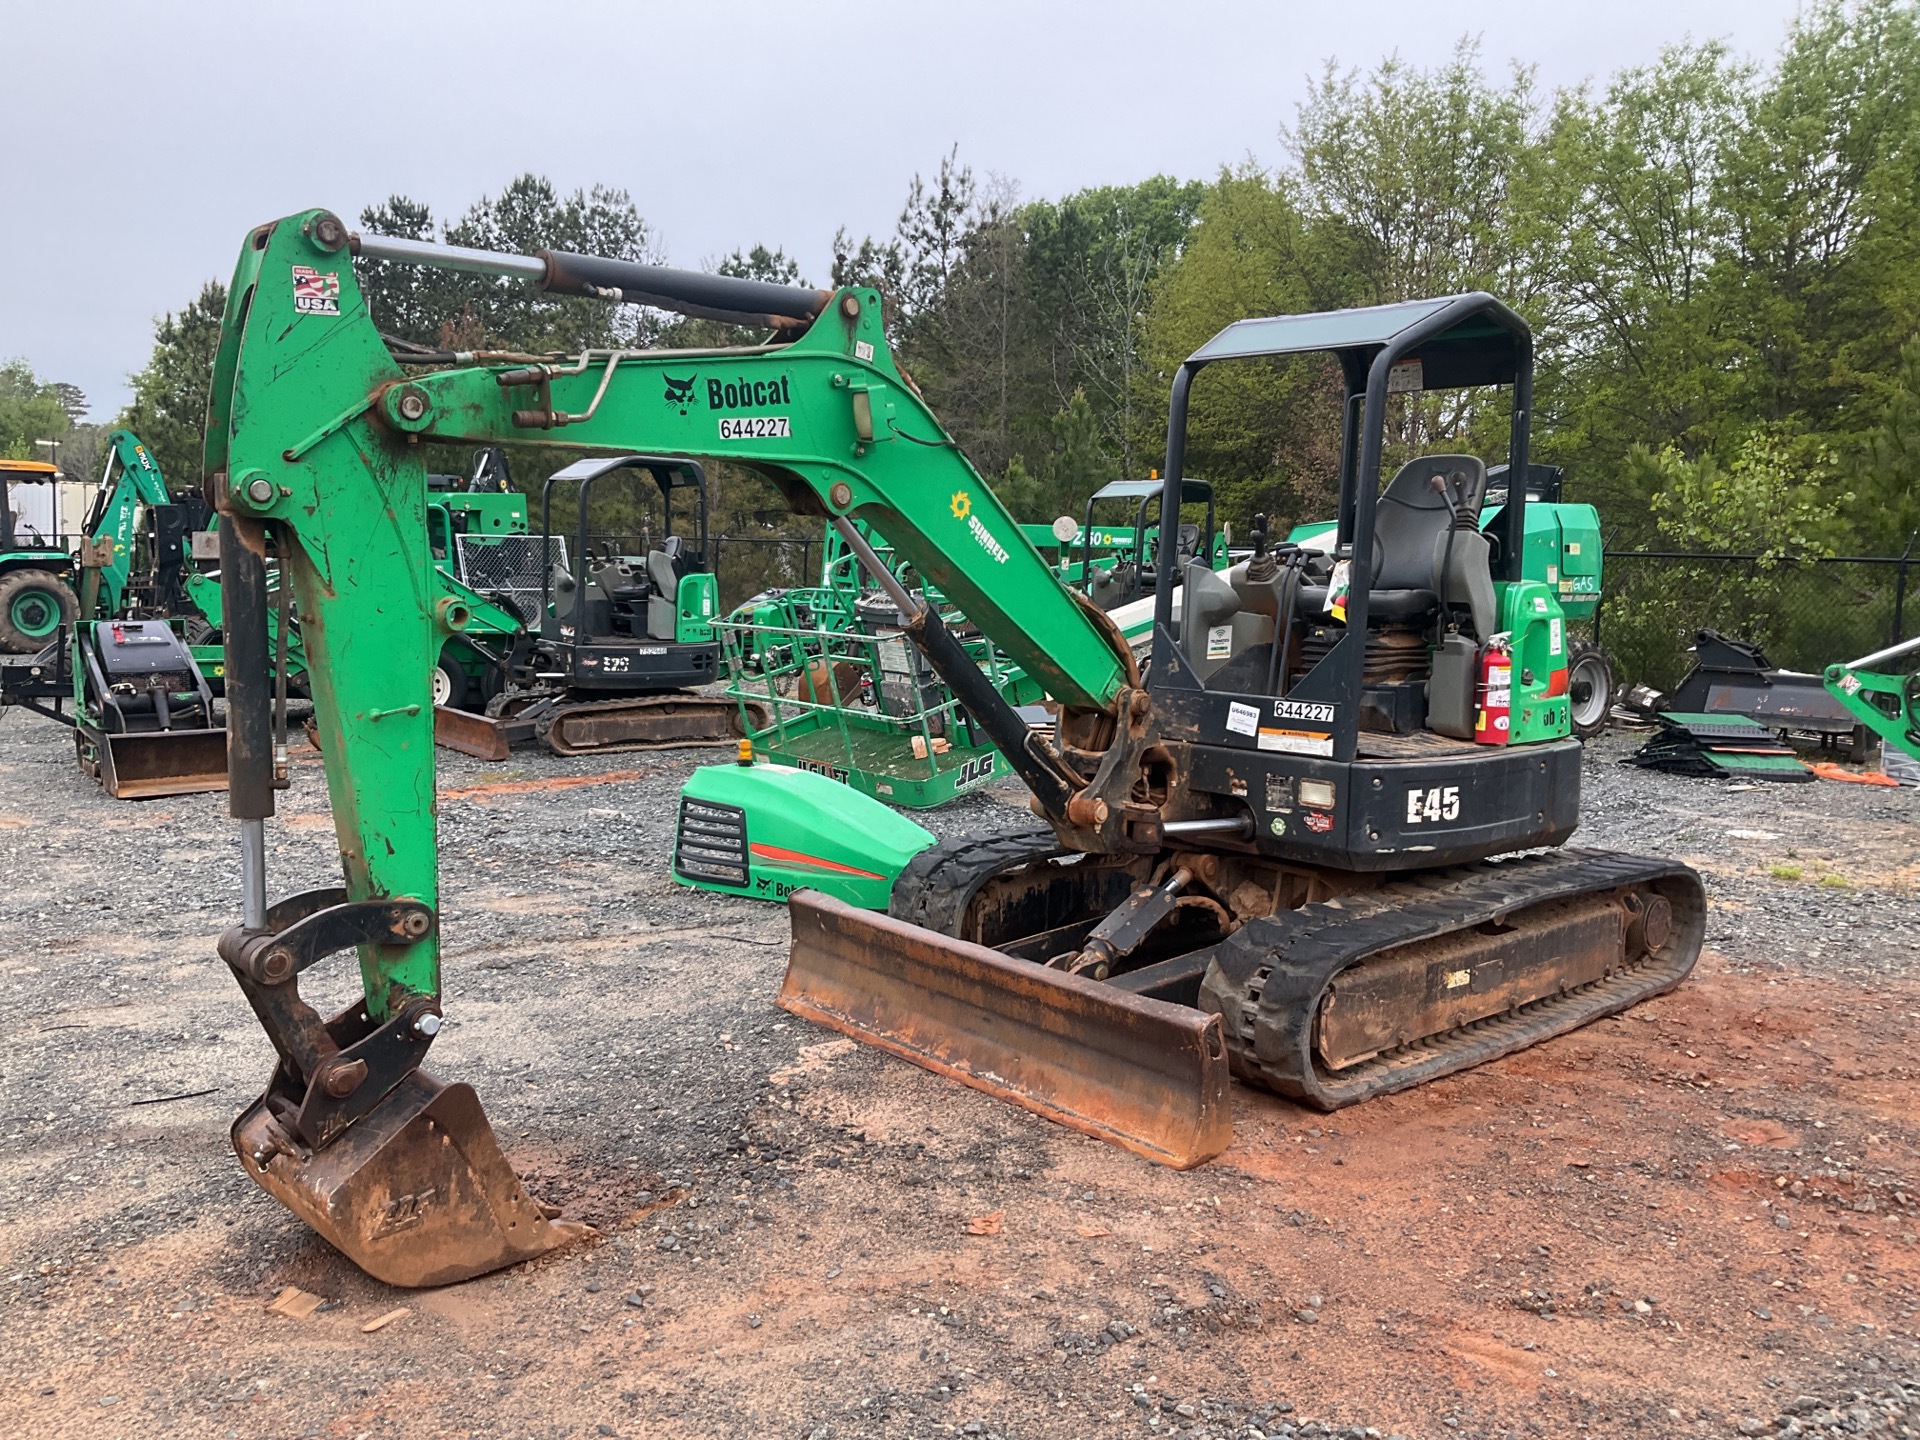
x=1433, y=806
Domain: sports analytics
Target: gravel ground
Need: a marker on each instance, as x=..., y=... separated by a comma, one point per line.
x=1697, y=1219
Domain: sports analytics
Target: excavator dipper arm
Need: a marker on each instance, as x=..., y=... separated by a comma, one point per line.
x=312, y=459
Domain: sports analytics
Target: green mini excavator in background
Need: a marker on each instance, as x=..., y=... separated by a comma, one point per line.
x=1271, y=855
x=113, y=664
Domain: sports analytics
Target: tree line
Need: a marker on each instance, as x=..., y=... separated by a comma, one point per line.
x=1720, y=260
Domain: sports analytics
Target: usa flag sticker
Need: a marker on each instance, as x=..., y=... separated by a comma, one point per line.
x=315, y=293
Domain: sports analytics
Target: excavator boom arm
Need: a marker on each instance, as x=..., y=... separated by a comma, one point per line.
x=313, y=461
x=115, y=509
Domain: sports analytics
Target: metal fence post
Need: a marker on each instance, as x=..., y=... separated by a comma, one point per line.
x=1896, y=634
x=1600, y=605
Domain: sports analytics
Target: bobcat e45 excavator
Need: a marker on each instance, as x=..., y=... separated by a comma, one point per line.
x=1269, y=856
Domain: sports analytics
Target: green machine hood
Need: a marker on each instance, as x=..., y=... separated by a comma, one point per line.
x=765, y=831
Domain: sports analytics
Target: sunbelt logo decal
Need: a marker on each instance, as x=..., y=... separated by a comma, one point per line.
x=962, y=506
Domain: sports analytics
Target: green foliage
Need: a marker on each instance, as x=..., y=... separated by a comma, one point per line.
x=776, y=267
x=445, y=309
x=1423, y=175
x=1763, y=504
x=1075, y=463
x=1266, y=433
x=1885, y=466
x=169, y=409
x=1091, y=263
x=1721, y=262
x=1759, y=504
x=30, y=410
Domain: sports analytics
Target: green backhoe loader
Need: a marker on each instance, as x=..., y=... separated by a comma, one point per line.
x=1268, y=856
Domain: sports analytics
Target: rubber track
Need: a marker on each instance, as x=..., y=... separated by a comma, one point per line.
x=724, y=710
x=1269, y=980
x=940, y=882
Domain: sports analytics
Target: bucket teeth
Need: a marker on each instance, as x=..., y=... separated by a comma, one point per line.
x=415, y=1193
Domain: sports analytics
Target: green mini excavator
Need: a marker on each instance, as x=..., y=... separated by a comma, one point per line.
x=1318, y=846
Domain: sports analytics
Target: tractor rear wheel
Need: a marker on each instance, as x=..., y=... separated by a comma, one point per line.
x=450, y=686
x=1589, y=688
x=33, y=605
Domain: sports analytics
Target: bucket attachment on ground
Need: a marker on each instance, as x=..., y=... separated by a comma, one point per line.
x=415, y=1193
x=397, y=1171
x=1143, y=1074
x=141, y=765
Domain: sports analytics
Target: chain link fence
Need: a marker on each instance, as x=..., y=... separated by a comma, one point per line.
x=1806, y=614
x=513, y=567
x=747, y=564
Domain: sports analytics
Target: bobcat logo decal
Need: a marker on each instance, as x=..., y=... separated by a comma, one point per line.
x=679, y=393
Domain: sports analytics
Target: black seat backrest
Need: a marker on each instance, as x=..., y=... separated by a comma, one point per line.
x=1411, y=515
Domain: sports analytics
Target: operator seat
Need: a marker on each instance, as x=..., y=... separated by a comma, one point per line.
x=1411, y=549
x=663, y=603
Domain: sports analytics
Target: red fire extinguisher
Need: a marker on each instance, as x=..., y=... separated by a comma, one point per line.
x=1493, y=724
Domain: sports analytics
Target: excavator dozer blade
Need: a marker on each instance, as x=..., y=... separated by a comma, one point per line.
x=140, y=766
x=470, y=734
x=415, y=1193
x=1142, y=1074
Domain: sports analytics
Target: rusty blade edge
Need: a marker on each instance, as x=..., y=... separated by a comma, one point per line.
x=1142, y=1074
x=467, y=734
x=1174, y=1159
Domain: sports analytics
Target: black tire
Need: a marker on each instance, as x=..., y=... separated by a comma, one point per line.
x=34, y=604
x=1590, y=688
x=450, y=684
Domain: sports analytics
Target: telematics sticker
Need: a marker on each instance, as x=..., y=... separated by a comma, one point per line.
x=314, y=293
x=756, y=427
x=1219, y=642
x=1243, y=719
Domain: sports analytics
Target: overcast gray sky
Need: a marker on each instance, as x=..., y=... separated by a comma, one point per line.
x=140, y=140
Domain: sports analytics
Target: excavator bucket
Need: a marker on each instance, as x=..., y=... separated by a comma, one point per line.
x=144, y=764
x=415, y=1193
x=1140, y=1073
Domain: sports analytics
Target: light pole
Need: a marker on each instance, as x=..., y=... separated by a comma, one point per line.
x=54, y=446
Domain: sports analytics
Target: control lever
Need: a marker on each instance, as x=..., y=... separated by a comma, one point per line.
x=1441, y=484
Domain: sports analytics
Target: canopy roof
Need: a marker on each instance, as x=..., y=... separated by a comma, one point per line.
x=1192, y=492
x=1479, y=347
